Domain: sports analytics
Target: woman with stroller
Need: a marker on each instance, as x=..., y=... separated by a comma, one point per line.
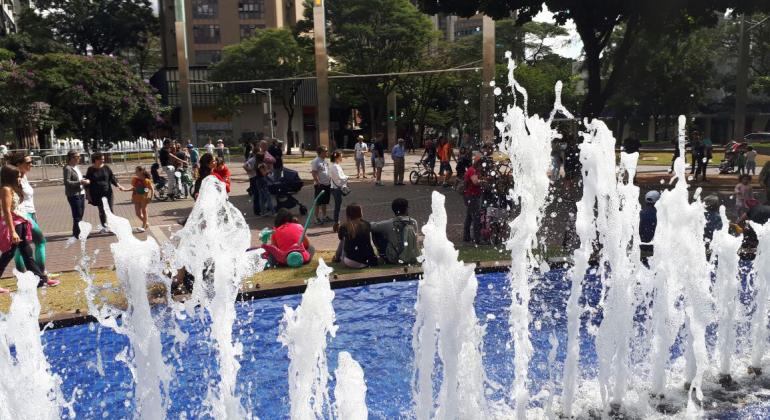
x=16, y=231
x=339, y=182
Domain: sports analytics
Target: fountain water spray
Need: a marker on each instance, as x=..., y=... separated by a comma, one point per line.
x=447, y=327
x=212, y=247
x=724, y=247
x=137, y=264
x=304, y=332
x=680, y=267
x=527, y=142
x=759, y=330
x=28, y=389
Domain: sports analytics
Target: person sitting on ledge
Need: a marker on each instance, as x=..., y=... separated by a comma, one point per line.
x=355, y=248
x=286, y=239
x=396, y=238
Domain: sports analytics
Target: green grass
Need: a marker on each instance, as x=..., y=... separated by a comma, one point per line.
x=69, y=296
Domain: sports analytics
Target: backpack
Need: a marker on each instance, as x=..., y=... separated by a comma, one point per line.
x=403, y=251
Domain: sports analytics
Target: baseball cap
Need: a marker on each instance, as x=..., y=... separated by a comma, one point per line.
x=190, y=146
x=652, y=197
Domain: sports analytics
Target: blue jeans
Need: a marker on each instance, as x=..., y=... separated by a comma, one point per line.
x=254, y=190
x=265, y=201
x=337, y=194
x=77, y=207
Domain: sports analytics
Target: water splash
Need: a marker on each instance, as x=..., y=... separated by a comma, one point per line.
x=446, y=326
x=527, y=142
x=212, y=247
x=28, y=388
x=304, y=332
x=680, y=268
x=724, y=247
x=759, y=331
x=350, y=392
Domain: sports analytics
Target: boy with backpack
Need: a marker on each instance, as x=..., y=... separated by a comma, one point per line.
x=396, y=238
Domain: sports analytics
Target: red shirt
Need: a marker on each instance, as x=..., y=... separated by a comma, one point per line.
x=444, y=152
x=287, y=235
x=224, y=175
x=471, y=189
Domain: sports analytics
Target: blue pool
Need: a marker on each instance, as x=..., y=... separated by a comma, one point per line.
x=375, y=326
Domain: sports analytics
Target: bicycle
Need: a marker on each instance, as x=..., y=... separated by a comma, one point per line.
x=423, y=170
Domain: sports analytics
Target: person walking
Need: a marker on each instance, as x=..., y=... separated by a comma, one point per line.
x=751, y=161
x=220, y=149
x=141, y=185
x=101, y=180
x=74, y=190
x=445, y=156
x=699, y=154
x=250, y=166
x=360, y=150
x=194, y=158
x=339, y=182
x=743, y=192
x=319, y=168
x=379, y=159
x=472, y=197
x=209, y=147
x=23, y=162
x=16, y=231
x=398, y=153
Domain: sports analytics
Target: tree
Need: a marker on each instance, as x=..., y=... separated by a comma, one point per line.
x=96, y=97
x=269, y=54
x=99, y=26
x=374, y=37
x=595, y=22
x=36, y=37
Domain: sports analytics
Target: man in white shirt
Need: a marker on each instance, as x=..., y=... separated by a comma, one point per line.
x=319, y=168
x=361, y=149
x=209, y=148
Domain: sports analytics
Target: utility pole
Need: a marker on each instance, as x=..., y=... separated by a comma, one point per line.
x=739, y=126
x=392, y=116
x=487, y=108
x=185, y=99
x=322, y=72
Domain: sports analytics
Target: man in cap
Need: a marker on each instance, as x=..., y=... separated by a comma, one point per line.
x=398, y=153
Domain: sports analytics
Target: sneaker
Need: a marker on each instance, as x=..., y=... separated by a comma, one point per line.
x=105, y=229
x=48, y=283
x=139, y=229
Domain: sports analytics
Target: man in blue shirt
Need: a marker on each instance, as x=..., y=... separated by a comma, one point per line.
x=398, y=153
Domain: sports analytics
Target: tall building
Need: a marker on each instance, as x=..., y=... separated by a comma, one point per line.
x=9, y=11
x=211, y=26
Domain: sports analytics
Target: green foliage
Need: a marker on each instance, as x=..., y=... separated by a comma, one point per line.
x=103, y=26
x=269, y=54
x=36, y=37
x=93, y=97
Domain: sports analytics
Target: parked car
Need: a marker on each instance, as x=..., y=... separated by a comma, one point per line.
x=757, y=137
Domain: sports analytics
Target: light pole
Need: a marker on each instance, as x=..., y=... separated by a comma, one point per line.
x=185, y=98
x=269, y=93
x=321, y=71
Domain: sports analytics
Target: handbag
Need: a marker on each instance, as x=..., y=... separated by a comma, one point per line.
x=344, y=189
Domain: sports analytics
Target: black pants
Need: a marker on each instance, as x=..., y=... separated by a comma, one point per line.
x=77, y=207
x=100, y=206
x=27, y=254
x=337, y=194
x=472, y=218
x=701, y=168
x=254, y=193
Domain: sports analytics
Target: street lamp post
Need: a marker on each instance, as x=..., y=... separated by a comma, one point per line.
x=269, y=93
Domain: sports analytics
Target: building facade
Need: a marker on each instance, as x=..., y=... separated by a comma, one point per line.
x=212, y=25
x=9, y=11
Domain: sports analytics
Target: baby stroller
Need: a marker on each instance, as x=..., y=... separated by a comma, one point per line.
x=733, y=150
x=284, y=189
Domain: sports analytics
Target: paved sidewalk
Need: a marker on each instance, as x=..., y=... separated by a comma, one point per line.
x=54, y=214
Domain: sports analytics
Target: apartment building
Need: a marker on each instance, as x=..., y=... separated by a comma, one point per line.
x=9, y=10
x=211, y=26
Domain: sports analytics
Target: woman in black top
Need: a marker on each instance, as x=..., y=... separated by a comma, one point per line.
x=356, y=236
x=101, y=181
x=207, y=164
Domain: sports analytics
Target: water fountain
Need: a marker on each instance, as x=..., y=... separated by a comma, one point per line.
x=606, y=336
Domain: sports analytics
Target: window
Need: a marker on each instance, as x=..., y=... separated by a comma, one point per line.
x=206, y=34
x=206, y=57
x=248, y=31
x=251, y=9
x=205, y=9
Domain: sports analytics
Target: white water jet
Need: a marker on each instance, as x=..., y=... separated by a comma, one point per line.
x=619, y=273
x=212, y=247
x=350, y=391
x=681, y=270
x=446, y=326
x=304, y=332
x=28, y=388
x=724, y=247
x=527, y=142
x=759, y=331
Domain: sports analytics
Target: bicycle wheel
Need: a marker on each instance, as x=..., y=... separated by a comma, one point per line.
x=432, y=178
x=414, y=177
x=161, y=194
